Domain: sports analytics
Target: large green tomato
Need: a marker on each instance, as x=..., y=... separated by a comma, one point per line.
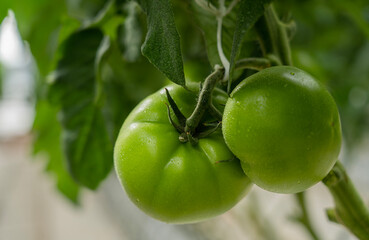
x=284, y=126
x=172, y=181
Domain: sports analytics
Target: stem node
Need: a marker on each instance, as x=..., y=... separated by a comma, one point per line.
x=350, y=209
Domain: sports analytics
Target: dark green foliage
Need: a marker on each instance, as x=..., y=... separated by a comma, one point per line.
x=162, y=46
x=77, y=89
x=130, y=34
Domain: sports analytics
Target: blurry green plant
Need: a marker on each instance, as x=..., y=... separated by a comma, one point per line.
x=92, y=72
x=1, y=80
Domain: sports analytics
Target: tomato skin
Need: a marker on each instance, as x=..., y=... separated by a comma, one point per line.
x=284, y=126
x=172, y=181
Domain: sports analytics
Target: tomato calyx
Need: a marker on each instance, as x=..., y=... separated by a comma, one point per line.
x=201, y=131
x=181, y=118
x=192, y=128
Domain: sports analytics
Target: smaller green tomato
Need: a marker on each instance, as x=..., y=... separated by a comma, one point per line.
x=284, y=126
x=172, y=181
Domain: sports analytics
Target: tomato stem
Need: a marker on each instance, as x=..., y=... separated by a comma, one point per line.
x=204, y=101
x=210, y=131
x=273, y=36
x=253, y=63
x=215, y=112
x=350, y=209
x=304, y=217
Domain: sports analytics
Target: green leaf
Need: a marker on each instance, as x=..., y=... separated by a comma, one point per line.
x=47, y=141
x=125, y=85
x=77, y=88
x=248, y=13
x=208, y=24
x=162, y=43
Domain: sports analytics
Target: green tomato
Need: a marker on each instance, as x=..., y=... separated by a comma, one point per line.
x=169, y=180
x=284, y=126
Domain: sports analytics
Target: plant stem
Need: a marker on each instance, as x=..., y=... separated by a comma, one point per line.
x=231, y=6
x=350, y=209
x=223, y=58
x=207, y=6
x=304, y=217
x=253, y=63
x=204, y=101
x=215, y=112
x=273, y=36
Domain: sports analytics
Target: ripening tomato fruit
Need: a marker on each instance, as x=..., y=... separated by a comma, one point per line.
x=285, y=128
x=169, y=180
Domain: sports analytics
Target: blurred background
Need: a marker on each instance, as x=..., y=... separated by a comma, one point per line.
x=39, y=200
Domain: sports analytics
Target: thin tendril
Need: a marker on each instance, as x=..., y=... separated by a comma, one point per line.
x=207, y=6
x=222, y=57
x=230, y=7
